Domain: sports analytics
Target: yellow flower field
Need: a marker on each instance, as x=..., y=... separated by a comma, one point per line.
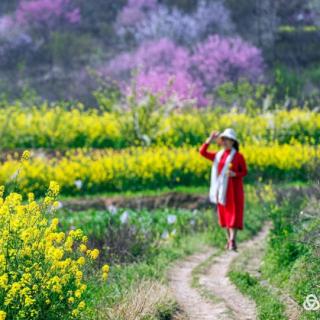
x=58, y=128
x=84, y=171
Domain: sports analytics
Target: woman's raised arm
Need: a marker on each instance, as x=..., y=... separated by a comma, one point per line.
x=204, y=148
x=205, y=153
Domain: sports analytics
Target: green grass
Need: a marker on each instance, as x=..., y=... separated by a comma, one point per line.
x=155, y=266
x=131, y=194
x=201, y=269
x=291, y=261
x=123, y=277
x=201, y=190
x=268, y=305
x=292, y=257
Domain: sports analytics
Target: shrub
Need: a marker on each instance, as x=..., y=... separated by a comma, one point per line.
x=41, y=269
x=128, y=235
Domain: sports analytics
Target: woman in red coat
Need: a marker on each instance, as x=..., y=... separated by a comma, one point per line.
x=229, y=167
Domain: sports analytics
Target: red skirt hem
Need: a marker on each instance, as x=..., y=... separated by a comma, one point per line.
x=231, y=227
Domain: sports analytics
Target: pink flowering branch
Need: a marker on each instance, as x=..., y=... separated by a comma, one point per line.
x=46, y=12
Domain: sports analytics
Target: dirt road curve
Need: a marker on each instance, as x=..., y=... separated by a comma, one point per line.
x=226, y=302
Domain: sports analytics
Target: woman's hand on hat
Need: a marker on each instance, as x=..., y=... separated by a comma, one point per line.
x=213, y=136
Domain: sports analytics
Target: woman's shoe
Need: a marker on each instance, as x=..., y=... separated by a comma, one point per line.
x=227, y=245
x=232, y=245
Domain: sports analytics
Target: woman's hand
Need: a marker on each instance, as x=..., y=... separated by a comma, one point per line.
x=213, y=137
x=231, y=173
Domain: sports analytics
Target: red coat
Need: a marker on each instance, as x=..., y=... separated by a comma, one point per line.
x=230, y=215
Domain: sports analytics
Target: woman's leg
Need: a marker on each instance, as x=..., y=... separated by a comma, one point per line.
x=228, y=238
x=233, y=235
x=228, y=233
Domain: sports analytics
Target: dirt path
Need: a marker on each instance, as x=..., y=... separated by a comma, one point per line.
x=189, y=299
x=226, y=302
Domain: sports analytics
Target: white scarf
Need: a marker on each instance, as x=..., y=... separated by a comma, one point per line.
x=219, y=183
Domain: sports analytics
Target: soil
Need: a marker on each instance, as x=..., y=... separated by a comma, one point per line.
x=166, y=200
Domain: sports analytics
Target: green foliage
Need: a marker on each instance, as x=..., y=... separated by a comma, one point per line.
x=289, y=84
x=144, y=117
x=131, y=235
x=288, y=89
x=314, y=74
x=107, y=95
x=283, y=250
x=64, y=47
x=252, y=98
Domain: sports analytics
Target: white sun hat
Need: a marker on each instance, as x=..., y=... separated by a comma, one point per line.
x=229, y=133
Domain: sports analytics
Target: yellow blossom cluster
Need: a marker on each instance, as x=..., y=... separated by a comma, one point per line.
x=41, y=268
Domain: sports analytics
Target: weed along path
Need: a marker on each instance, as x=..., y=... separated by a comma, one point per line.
x=203, y=289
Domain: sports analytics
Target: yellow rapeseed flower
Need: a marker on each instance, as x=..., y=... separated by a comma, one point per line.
x=25, y=155
x=82, y=305
x=71, y=300
x=105, y=276
x=105, y=268
x=82, y=248
x=93, y=254
x=44, y=261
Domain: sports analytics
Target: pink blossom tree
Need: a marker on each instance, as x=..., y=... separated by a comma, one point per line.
x=218, y=60
x=179, y=85
x=162, y=53
x=158, y=66
x=39, y=14
x=29, y=28
x=163, y=66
